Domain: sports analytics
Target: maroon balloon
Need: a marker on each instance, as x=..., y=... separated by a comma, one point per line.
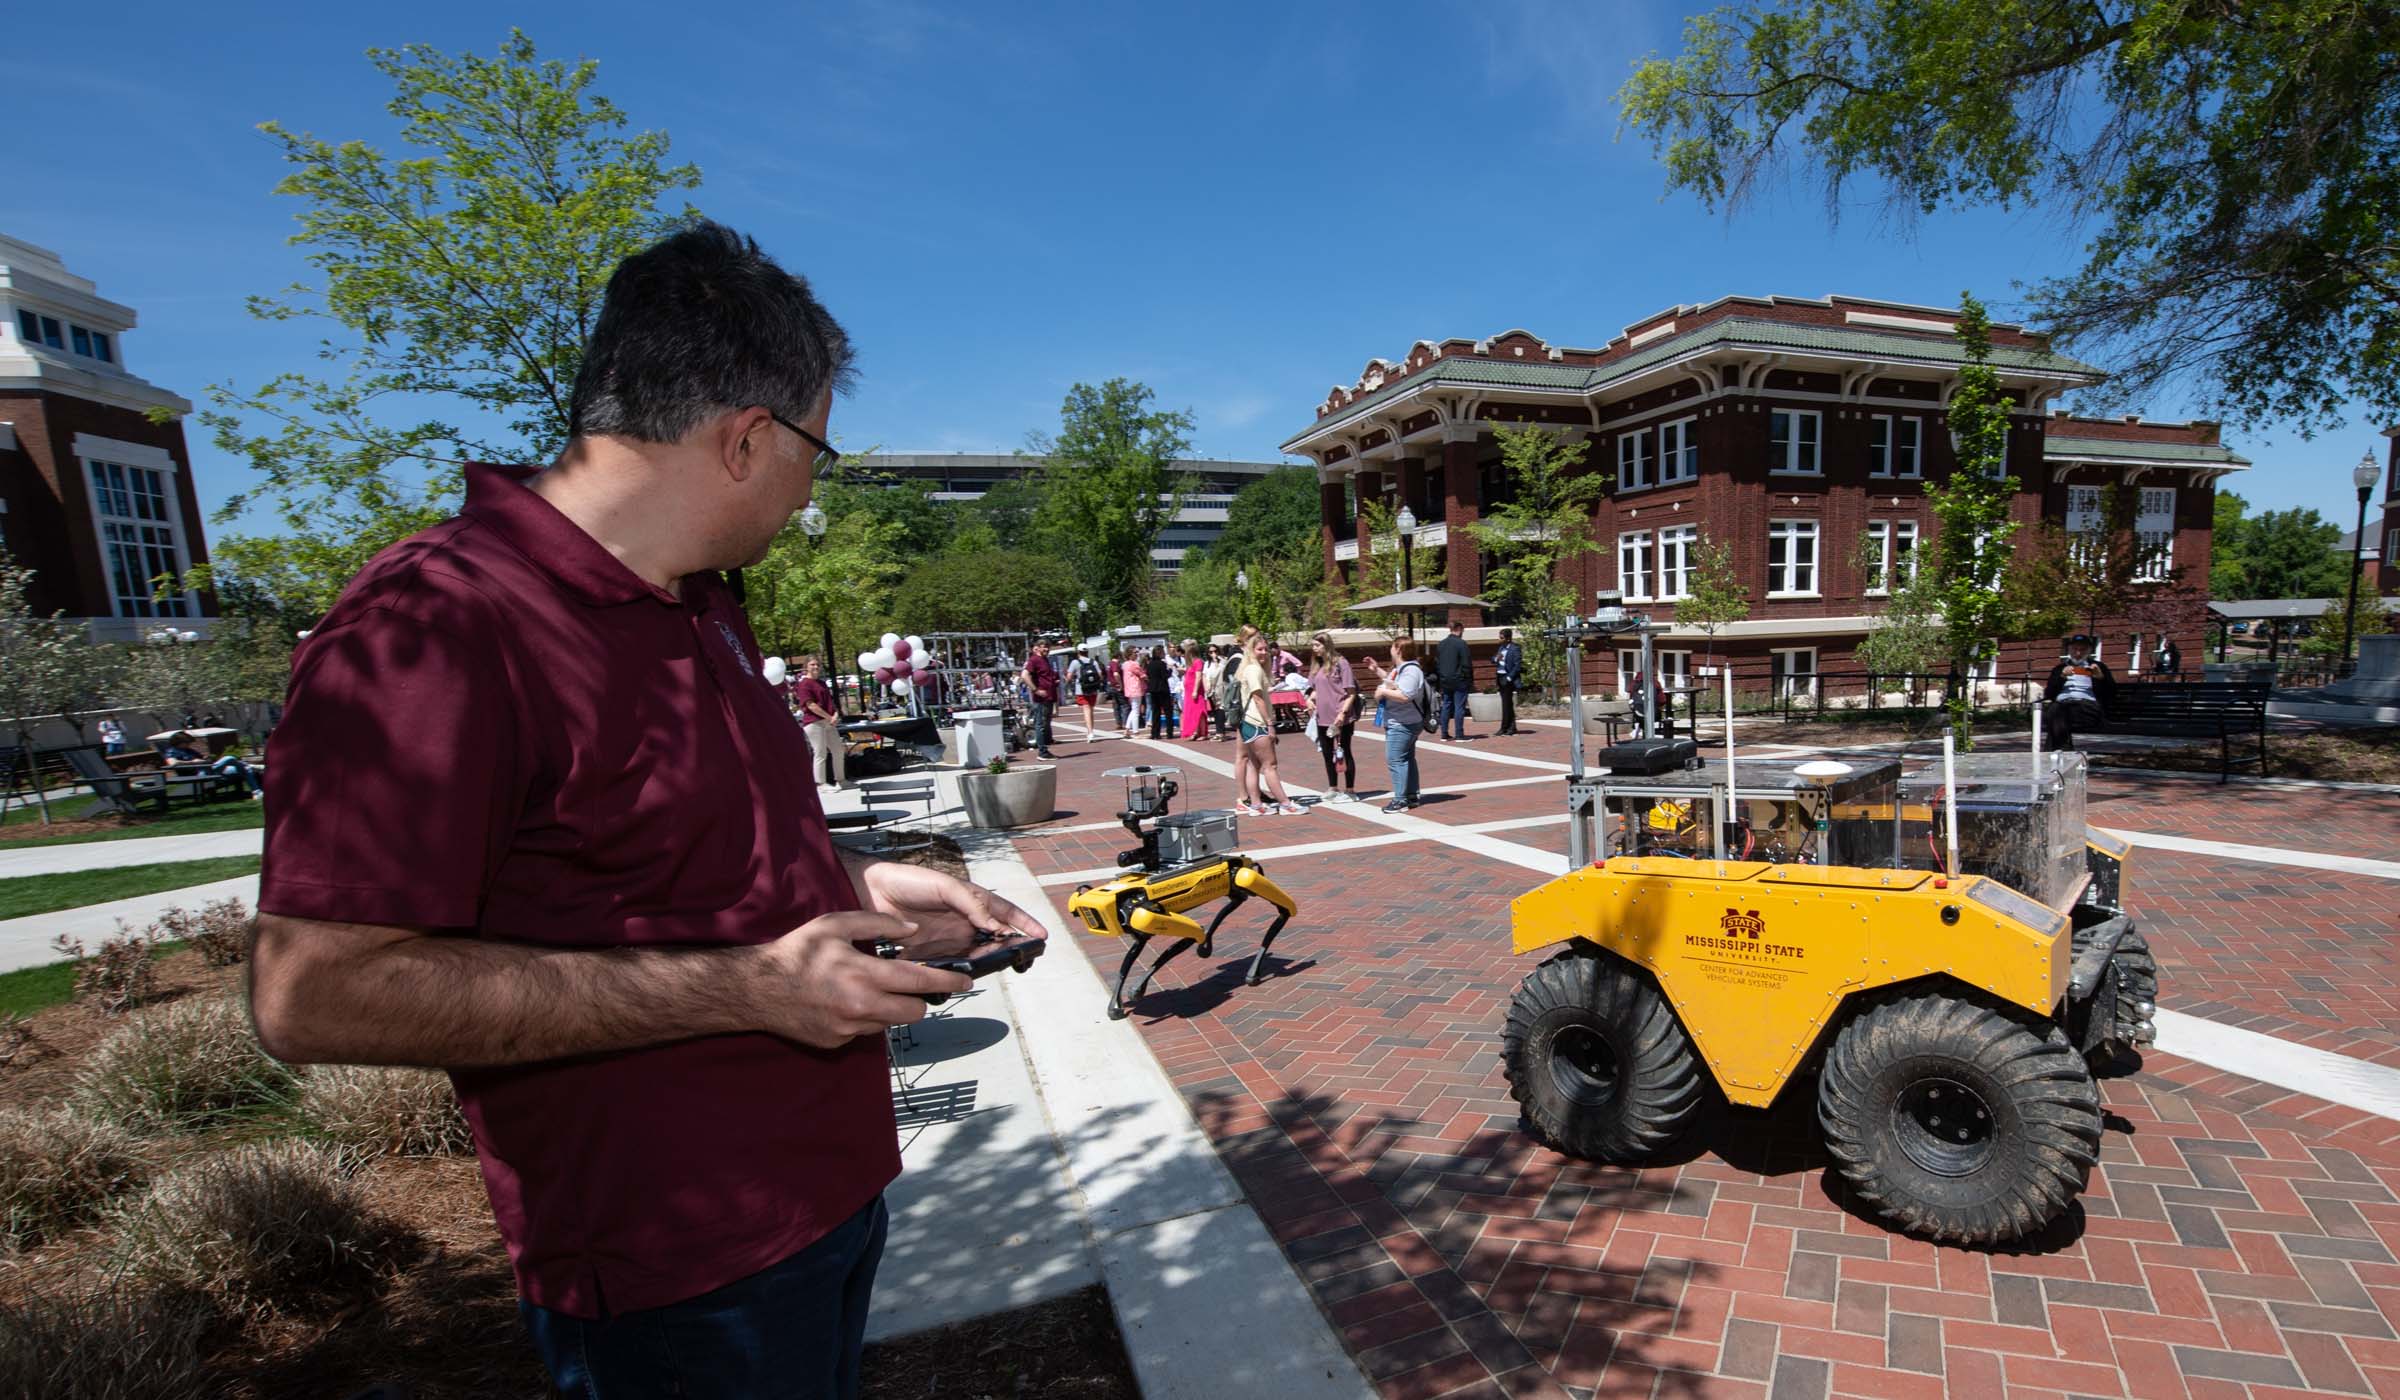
x=904, y=669
x=884, y=674
x=900, y=651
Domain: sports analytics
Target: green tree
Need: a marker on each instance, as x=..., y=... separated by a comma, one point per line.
x=1906, y=637
x=1973, y=556
x=2284, y=554
x=842, y=582
x=1545, y=522
x=1199, y=601
x=2068, y=580
x=1007, y=511
x=48, y=665
x=461, y=276
x=2237, y=164
x=2227, y=579
x=1713, y=596
x=1273, y=515
x=1109, y=487
x=1381, y=569
x=2368, y=618
x=1006, y=591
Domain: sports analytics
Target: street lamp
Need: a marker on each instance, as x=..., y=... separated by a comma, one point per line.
x=1083, y=626
x=1405, y=524
x=812, y=524
x=2363, y=477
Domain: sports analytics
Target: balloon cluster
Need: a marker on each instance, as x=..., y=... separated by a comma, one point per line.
x=898, y=663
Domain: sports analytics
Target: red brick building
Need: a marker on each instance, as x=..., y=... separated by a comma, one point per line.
x=2384, y=569
x=96, y=497
x=1793, y=428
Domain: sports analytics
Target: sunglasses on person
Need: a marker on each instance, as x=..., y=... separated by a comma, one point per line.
x=827, y=453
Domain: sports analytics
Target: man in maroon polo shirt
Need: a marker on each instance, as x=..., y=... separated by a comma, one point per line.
x=537, y=818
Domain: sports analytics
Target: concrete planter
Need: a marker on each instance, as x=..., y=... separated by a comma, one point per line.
x=1484, y=708
x=1025, y=794
x=1595, y=711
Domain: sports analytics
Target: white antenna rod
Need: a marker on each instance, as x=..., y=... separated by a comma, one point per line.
x=1950, y=799
x=2037, y=745
x=1732, y=815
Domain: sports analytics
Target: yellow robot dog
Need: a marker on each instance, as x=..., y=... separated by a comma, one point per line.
x=1182, y=863
x=1941, y=959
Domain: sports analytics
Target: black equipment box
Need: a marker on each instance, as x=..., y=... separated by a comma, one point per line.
x=1644, y=757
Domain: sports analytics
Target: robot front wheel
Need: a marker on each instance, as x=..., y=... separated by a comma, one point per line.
x=1958, y=1121
x=1598, y=1062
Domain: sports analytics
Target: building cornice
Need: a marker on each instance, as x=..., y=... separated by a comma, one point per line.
x=25, y=374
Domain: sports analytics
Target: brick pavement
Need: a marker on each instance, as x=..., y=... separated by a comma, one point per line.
x=2237, y=1239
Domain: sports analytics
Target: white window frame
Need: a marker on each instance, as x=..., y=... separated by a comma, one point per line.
x=1896, y=447
x=1787, y=675
x=1674, y=668
x=1676, y=545
x=2154, y=533
x=1789, y=534
x=1633, y=460
x=128, y=457
x=1794, y=440
x=1678, y=450
x=1906, y=536
x=1894, y=540
x=1635, y=562
x=1628, y=662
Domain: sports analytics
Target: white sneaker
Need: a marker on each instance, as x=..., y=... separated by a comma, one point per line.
x=1244, y=809
x=1294, y=809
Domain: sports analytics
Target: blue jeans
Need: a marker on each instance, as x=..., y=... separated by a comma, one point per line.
x=1400, y=757
x=1454, y=707
x=230, y=766
x=793, y=1330
x=1041, y=725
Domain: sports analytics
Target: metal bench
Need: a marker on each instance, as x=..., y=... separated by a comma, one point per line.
x=902, y=791
x=2216, y=710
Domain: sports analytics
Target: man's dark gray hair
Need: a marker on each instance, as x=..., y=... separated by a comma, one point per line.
x=698, y=323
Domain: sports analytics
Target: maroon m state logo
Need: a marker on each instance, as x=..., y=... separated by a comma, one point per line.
x=1740, y=925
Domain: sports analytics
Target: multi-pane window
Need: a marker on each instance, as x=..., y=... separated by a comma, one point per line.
x=1674, y=669
x=2154, y=534
x=1633, y=460
x=1792, y=557
x=1633, y=565
x=1792, y=439
x=1675, y=548
x=36, y=329
x=1678, y=450
x=1891, y=554
x=1795, y=672
x=93, y=344
x=1898, y=446
x=138, y=538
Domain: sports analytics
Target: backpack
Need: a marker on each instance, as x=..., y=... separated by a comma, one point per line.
x=1427, y=715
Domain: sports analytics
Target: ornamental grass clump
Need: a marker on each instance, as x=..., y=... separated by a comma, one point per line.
x=117, y=1344
x=384, y=1109
x=264, y=1229
x=187, y=1065
x=58, y=1169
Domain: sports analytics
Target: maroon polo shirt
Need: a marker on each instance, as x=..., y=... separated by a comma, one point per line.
x=502, y=732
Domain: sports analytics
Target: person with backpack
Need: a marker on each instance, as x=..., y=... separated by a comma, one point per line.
x=1407, y=699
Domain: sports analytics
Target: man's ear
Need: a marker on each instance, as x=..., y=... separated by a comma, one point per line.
x=745, y=437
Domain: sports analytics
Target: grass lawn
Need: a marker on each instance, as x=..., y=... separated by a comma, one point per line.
x=30, y=989
x=44, y=894
x=185, y=819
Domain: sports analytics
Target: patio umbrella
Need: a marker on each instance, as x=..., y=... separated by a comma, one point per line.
x=1416, y=600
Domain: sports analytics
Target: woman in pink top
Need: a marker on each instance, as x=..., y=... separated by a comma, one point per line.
x=1195, y=694
x=1136, y=683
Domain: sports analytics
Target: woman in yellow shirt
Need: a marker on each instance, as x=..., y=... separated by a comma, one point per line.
x=1258, y=735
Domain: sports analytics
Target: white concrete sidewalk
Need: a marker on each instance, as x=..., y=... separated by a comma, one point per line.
x=136, y=850
x=25, y=942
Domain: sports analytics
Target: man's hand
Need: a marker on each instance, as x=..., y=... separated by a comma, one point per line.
x=946, y=911
x=821, y=990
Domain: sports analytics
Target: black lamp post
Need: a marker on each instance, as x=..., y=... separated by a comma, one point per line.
x=812, y=524
x=1406, y=525
x=2363, y=477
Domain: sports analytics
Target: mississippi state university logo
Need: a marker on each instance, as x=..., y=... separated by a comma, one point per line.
x=1737, y=924
x=734, y=645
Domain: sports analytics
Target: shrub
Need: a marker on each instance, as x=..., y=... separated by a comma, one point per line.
x=178, y=1067
x=222, y=931
x=119, y=1344
x=385, y=1109
x=119, y=976
x=57, y=1169
x=262, y=1229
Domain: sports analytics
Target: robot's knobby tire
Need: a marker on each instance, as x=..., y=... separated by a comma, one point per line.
x=2136, y=972
x=1958, y=1121
x=1599, y=1063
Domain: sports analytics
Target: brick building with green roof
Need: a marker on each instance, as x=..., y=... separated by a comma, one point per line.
x=1793, y=428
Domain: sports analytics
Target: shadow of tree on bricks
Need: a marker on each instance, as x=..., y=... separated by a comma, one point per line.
x=1449, y=1249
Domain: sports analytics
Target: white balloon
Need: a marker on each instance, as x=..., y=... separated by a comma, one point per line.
x=889, y=638
x=866, y=661
x=900, y=685
x=773, y=670
x=915, y=645
x=885, y=658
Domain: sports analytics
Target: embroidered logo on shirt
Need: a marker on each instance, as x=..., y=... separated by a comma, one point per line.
x=734, y=645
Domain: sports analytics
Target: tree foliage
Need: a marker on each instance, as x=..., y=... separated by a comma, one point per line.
x=2281, y=554
x=1973, y=555
x=1275, y=515
x=2068, y=580
x=1545, y=520
x=1384, y=567
x=805, y=587
x=1108, y=486
x=2238, y=163
x=1004, y=591
x=1713, y=594
x=461, y=276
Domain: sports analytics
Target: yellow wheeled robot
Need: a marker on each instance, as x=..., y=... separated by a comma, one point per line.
x=1940, y=957
x=1181, y=864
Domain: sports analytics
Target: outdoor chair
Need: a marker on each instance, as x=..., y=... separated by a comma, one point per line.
x=890, y=840
x=115, y=791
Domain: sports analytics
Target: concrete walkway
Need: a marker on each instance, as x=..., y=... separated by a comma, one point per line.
x=26, y=942
x=137, y=850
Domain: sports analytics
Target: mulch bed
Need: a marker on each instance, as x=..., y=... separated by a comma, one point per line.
x=445, y=1326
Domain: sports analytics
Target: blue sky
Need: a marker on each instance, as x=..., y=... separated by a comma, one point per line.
x=1235, y=205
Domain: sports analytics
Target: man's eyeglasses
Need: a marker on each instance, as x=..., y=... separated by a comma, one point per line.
x=827, y=453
